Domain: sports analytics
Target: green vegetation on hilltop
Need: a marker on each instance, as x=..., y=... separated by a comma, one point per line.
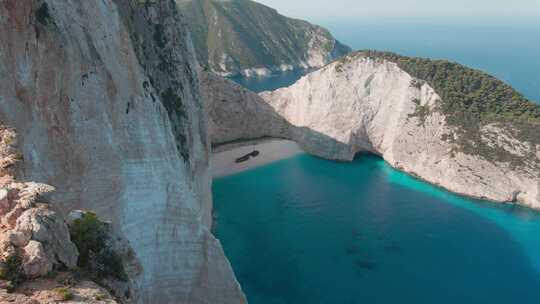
x=470, y=100
x=240, y=34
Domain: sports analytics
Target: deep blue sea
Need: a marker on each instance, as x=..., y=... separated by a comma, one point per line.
x=508, y=51
x=306, y=230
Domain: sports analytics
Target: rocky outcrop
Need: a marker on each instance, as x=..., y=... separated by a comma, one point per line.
x=53, y=290
x=39, y=263
x=369, y=104
x=243, y=37
x=33, y=235
x=105, y=98
x=236, y=113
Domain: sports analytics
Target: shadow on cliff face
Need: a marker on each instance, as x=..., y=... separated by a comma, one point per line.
x=237, y=114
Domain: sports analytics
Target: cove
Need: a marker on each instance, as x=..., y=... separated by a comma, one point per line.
x=308, y=230
x=271, y=82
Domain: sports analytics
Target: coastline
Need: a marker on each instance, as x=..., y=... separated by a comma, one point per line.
x=273, y=149
x=222, y=162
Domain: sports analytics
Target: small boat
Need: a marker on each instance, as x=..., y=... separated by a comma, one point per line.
x=247, y=156
x=242, y=159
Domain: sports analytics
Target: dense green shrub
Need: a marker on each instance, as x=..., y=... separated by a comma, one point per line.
x=12, y=271
x=100, y=297
x=415, y=83
x=43, y=15
x=64, y=293
x=95, y=257
x=9, y=139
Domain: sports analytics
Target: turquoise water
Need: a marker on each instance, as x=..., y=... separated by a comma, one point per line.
x=307, y=230
x=273, y=82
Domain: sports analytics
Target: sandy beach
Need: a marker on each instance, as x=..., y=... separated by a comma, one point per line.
x=223, y=157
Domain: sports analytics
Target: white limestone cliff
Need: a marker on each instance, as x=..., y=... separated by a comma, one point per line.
x=237, y=113
x=105, y=98
x=368, y=105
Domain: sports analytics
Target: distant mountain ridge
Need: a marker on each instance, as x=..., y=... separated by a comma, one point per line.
x=243, y=37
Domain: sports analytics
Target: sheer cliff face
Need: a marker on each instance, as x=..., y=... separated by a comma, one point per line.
x=235, y=113
x=362, y=104
x=105, y=99
x=245, y=37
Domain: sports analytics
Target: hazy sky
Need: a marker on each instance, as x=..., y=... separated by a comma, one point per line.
x=429, y=9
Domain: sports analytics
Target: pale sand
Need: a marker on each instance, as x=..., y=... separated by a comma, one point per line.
x=223, y=157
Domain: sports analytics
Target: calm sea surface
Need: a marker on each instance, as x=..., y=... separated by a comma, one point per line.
x=307, y=230
x=509, y=52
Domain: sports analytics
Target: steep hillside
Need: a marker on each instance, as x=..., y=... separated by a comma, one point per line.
x=245, y=37
x=105, y=98
x=472, y=102
x=449, y=125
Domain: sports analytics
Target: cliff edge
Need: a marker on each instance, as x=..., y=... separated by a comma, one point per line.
x=105, y=98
